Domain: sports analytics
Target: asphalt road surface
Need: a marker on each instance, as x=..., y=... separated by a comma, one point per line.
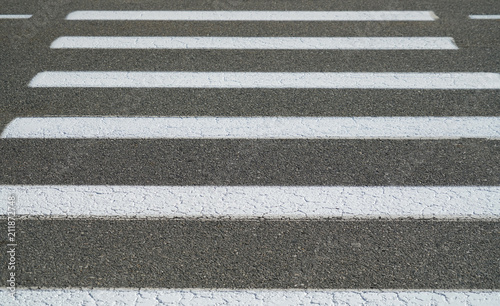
x=228, y=252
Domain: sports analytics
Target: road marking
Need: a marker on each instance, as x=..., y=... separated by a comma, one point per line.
x=143, y=296
x=15, y=16
x=255, y=201
x=484, y=16
x=255, y=127
x=291, y=43
x=351, y=80
x=256, y=15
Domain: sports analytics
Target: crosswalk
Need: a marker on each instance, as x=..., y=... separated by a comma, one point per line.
x=256, y=297
x=14, y=16
x=372, y=80
x=484, y=17
x=255, y=127
x=267, y=43
x=259, y=201
x=254, y=201
x=255, y=15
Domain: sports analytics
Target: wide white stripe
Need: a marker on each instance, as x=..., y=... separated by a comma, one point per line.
x=248, y=297
x=256, y=15
x=15, y=16
x=254, y=201
x=291, y=43
x=484, y=16
x=255, y=127
x=369, y=80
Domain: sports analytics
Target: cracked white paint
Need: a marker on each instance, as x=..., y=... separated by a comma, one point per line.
x=254, y=201
x=290, y=43
x=247, y=297
x=256, y=15
x=255, y=127
x=484, y=16
x=6, y=16
x=348, y=80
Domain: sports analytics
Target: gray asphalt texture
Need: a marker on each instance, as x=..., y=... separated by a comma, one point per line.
x=258, y=254
x=472, y=162
x=166, y=253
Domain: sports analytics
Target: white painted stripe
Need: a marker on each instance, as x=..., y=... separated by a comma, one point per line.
x=369, y=80
x=248, y=297
x=255, y=127
x=291, y=43
x=256, y=15
x=15, y=16
x=254, y=201
x=484, y=16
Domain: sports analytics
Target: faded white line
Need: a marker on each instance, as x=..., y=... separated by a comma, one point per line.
x=15, y=16
x=368, y=80
x=484, y=16
x=248, y=297
x=254, y=201
x=289, y=43
x=255, y=127
x=256, y=15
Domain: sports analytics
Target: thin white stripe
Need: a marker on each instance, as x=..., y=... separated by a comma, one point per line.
x=255, y=201
x=484, y=16
x=256, y=127
x=15, y=16
x=369, y=80
x=248, y=297
x=327, y=43
x=256, y=15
